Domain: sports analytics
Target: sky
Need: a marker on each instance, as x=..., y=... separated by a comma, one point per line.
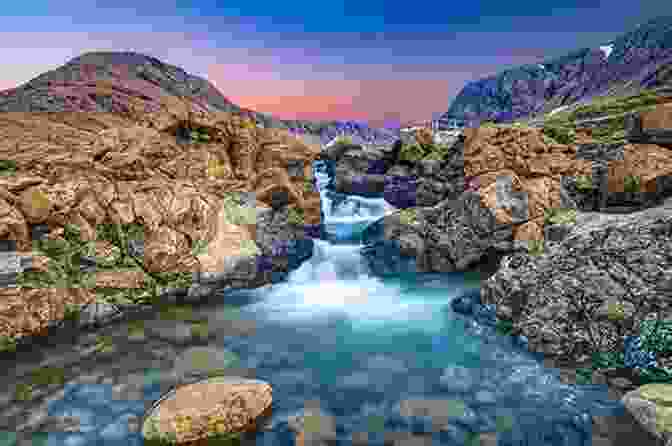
x=378, y=61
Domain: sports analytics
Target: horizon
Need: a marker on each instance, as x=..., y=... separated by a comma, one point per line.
x=291, y=63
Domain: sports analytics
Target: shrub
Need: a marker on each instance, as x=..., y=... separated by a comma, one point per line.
x=343, y=140
x=199, y=136
x=72, y=312
x=295, y=216
x=632, y=183
x=7, y=167
x=584, y=182
x=308, y=185
x=7, y=344
x=535, y=247
x=562, y=135
x=408, y=216
x=556, y=216
x=411, y=152
x=104, y=344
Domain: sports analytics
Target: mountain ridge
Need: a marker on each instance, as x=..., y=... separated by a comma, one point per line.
x=111, y=81
x=636, y=60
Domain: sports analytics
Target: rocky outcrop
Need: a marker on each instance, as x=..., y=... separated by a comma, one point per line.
x=638, y=59
x=562, y=301
x=378, y=171
x=202, y=410
x=98, y=169
x=652, y=127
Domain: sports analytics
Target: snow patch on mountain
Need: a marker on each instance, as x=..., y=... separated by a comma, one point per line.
x=607, y=49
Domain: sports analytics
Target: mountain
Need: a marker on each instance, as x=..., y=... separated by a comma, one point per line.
x=640, y=59
x=108, y=81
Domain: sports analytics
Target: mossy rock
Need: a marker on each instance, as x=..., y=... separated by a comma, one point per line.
x=556, y=216
x=412, y=152
x=7, y=167
x=535, y=247
x=295, y=216
x=661, y=395
x=343, y=140
x=408, y=216
x=562, y=135
x=632, y=184
x=584, y=182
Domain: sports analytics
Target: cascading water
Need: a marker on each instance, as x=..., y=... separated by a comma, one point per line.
x=381, y=358
x=364, y=347
x=336, y=281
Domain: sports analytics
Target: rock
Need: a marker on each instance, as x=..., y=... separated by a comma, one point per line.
x=126, y=168
x=224, y=405
x=548, y=293
x=313, y=427
x=651, y=406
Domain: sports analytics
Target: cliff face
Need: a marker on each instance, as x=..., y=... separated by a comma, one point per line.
x=128, y=83
x=636, y=60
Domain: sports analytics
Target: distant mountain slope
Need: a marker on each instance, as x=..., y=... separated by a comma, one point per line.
x=108, y=81
x=636, y=60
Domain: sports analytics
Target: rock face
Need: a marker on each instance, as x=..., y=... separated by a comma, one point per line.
x=519, y=175
x=652, y=127
x=635, y=60
x=221, y=405
x=106, y=168
x=561, y=300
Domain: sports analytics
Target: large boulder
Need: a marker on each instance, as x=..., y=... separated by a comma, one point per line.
x=454, y=235
x=377, y=171
x=651, y=406
x=580, y=295
x=220, y=405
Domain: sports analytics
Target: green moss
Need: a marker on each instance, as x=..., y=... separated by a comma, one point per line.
x=343, y=140
x=556, y=216
x=560, y=134
x=584, y=183
x=615, y=105
x=408, y=216
x=7, y=344
x=535, y=247
x=23, y=392
x=199, y=135
x=504, y=327
x=104, y=344
x=295, y=216
x=236, y=212
x=48, y=375
x=7, y=167
x=200, y=330
x=632, y=183
x=72, y=312
x=214, y=439
x=412, y=152
x=308, y=185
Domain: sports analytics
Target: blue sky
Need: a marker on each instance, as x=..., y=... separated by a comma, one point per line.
x=367, y=60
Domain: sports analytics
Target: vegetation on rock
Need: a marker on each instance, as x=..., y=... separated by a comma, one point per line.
x=408, y=216
x=555, y=216
x=295, y=216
